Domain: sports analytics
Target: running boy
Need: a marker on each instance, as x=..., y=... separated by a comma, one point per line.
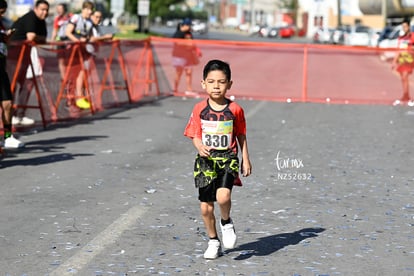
x=216, y=126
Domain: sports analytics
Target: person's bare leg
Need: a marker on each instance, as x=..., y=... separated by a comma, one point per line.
x=79, y=85
x=7, y=112
x=224, y=201
x=178, y=73
x=189, y=79
x=406, y=85
x=207, y=213
x=62, y=67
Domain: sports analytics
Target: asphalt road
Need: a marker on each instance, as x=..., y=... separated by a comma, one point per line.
x=331, y=194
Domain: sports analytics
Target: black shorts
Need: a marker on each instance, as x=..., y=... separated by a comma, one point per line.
x=217, y=171
x=5, y=89
x=209, y=192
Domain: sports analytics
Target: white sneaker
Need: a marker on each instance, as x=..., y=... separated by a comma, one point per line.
x=228, y=235
x=25, y=121
x=13, y=143
x=191, y=93
x=410, y=103
x=15, y=120
x=396, y=102
x=213, y=250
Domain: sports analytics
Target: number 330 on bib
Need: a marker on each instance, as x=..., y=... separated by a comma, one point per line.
x=217, y=134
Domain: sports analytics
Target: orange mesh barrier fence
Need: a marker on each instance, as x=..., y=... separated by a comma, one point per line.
x=115, y=72
x=290, y=72
x=27, y=81
x=124, y=71
x=350, y=75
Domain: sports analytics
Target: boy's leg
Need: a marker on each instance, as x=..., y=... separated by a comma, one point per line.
x=207, y=213
x=226, y=223
x=224, y=201
x=79, y=84
x=214, y=246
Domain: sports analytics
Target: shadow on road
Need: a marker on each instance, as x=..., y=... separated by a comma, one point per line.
x=41, y=146
x=270, y=244
x=42, y=160
x=64, y=140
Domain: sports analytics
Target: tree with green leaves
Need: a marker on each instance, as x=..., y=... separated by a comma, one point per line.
x=162, y=9
x=292, y=5
x=157, y=7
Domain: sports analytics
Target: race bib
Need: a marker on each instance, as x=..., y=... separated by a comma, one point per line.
x=217, y=134
x=3, y=49
x=404, y=44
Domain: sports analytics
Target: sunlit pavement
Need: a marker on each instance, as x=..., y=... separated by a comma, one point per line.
x=331, y=194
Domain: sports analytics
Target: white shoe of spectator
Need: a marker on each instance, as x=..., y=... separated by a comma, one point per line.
x=13, y=143
x=24, y=121
x=396, y=102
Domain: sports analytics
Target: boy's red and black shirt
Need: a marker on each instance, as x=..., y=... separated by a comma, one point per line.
x=203, y=111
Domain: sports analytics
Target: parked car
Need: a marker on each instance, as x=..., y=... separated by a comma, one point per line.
x=390, y=41
x=339, y=33
x=374, y=38
x=171, y=23
x=323, y=35
x=260, y=30
x=384, y=34
x=358, y=36
x=199, y=26
x=287, y=31
x=273, y=32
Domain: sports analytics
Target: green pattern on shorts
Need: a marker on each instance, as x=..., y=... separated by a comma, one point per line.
x=206, y=168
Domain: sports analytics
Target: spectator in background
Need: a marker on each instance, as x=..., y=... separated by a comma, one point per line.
x=79, y=29
x=6, y=96
x=97, y=34
x=185, y=55
x=403, y=63
x=30, y=27
x=58, y=34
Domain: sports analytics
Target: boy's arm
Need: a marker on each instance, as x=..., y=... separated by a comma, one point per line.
x=246, y=165
x=203, y=150
x=69, y=32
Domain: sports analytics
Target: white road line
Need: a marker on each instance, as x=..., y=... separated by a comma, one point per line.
x=99, y=243
x=255, y=109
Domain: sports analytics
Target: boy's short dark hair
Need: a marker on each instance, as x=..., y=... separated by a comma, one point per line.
x=88, y=4
x=3, y=4
x=219, y=65
x=39, y=2
x=64, y=7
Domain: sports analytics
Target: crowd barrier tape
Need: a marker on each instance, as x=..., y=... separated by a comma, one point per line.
x=125, y=71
